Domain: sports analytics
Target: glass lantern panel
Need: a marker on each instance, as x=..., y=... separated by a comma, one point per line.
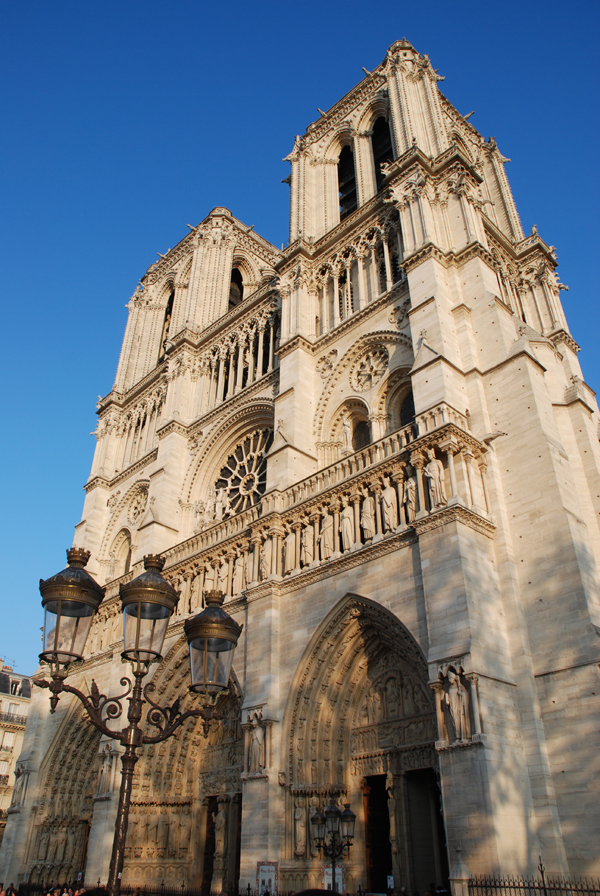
x=66, y=627
x=332, y=818
x=211, y=660
x=145, y=627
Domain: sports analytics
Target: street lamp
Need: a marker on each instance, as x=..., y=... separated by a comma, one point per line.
x=333, y=832
x=70, y=600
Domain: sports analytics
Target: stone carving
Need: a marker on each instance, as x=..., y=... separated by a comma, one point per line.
x=307, y=546
x=18, y=795
x=185, y=830
x=223, y=575
x=347, y=525
x=346, y=434
x=221, y=504
x=137, y=506
x=369, y=369
x=289, y=550
x=243, y=479
x=389, y=505
x=256, y=744
x=162, y=829
x=239, y=574
x=209, y=507
x=265, y=558
x=457, y=701
x=367, y=516
x=300, y=827
x=409, y=494
x=220, y=829
x=326, y=535
x=325, y=364
x=105, y=772
x=434, y=472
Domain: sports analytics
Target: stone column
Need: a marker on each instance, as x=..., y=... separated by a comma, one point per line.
x=438, y=690
x=483, y=473
x=240, y=364
x=230, y=382
x=376, y=490
x=418, y=463
x=229, y=556
x=256, y=541
x=297, y=527
x=388, y=266
x=335, y=509
x=315, y=519
x=474, y=694
x=356, y=498
x=450, y=447
x=468, y=456
x=336, y=299
x=261, y=343
x=363, y=293
x=219, y=395
x=271, y=342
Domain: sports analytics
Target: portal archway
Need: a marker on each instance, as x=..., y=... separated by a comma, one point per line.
x=362, y=729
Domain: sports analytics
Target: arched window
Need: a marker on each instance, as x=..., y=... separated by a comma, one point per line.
x=166, y=325
x=381, y=142
x=347, y=183
x=361, y=435
x=407, y=411
x=236, y=288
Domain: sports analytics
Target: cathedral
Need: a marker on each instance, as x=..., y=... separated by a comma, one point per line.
x=377, y=443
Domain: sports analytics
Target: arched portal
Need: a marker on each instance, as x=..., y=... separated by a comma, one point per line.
x=362, y=729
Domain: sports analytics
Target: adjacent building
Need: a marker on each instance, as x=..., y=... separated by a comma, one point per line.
x=15, y=696
x=379, y=445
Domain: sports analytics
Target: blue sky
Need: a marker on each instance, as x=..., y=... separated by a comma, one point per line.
x=123, y=121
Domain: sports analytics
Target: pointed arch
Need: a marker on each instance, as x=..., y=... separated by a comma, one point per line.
x=361, y=686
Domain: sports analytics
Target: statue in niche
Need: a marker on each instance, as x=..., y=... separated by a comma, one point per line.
x=313, y=806
x=420, y=699
x=307, y=545
x=392, y=802
x=347, y=524
x=326, y=535
x=249, y=566
x=374, y=707
x=144, y=829
x=409, y=704
x=256, y=747
x=152, y=829
x=220, y=829
x=71, y=844
x=185, y=829
x=289, y=546
x=389, y=506
x=457, y=701
x=44, y=841
x=265, y=559
x=434, y=472
x=162, y=829
x=223, y=575
x=132, y=829
x=392, y=698
x=209, y=578
x=346, y=434
x=367, y=516
x=239, y=574
x=19, y=789
x=199, y=515
x=409, y=494
x=105, y=771
x=60, y=844
x=209, y=507
x=300, y=827
x=195, y=593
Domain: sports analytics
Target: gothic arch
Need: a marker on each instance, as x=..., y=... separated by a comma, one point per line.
x=397, y=343
x=342, y=703
x=249, y=416
x=357, y=409
x=393, y=391
x=119, y=519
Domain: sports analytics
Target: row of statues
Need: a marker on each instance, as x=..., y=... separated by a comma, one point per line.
x=60, y=843
x=160, y=830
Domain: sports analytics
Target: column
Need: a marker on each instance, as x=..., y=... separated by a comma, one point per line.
x=468, y=456
x=336, y=300
x=251, y=339
x=376, y=489
x=315, y=519
x=261, y=338
x=230, y=383
x=355, y=498
x=219, y=395
x=363, y=293
x=297, y=527
x=398, y=477
x=374, y=275
x=449, y=447
x=388, y=266
x=325, y=307
x=230, y=558
x=483, y=474
x=213, y=387
x=240, y=364
x=438, y=691
x=335, y=509
x=256, y=545
x=418, y=463
x=271, y=342
x=474, y=693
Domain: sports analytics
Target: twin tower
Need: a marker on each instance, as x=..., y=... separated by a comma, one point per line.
x=378, y=444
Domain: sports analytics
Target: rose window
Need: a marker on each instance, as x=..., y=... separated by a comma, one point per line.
x=370, y=369
x=243, y=479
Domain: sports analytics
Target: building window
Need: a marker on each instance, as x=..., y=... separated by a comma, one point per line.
x=381, y=141
x=236, y=288
x=407, y=411
x=166, y=325
x=347, y=183
x=361, y=435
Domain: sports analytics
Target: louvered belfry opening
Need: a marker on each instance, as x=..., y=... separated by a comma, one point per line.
x=382, y=148
x=347, y=183
x=236, y=288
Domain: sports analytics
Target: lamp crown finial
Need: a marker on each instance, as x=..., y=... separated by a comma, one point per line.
x=154, y=561
x=214, y=598
x=78, y=557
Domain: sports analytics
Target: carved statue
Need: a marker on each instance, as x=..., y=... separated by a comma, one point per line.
x=104, y=773
x=307, y=545
x=367, y=516
x=392, y=698
x=19, y=788
x=409, y=704
x=326, y=536
x=220, y=829
x=60, y=844
x=300, y=827
x=409, y=494
x=71, y=844
x=256, y=750
x=389, y=506
x=347, y=525
x=239, y=574
x=346, y=434
x=265, y=558
x=209, y=508
x=223, y=575
x=392, y=802
x=434, y=471
x=152, y=829
x=209, y=578
x=162, y=830
x=221, y=504
x=249, y=566
x=44, y=841
x=185, y=828
x=289, y=551
x=457, y=700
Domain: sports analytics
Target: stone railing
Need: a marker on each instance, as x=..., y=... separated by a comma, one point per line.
x=382, y=490
x=11, y=718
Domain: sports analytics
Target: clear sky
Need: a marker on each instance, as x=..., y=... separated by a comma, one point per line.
x=123, y=121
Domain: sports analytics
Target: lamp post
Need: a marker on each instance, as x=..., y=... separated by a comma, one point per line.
x=333, y=833
x=70, y=599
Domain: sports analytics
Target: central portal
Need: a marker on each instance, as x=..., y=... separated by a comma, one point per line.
x=377, y=834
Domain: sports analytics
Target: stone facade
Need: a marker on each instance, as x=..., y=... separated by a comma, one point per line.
x=379, y=445
x=15, y=696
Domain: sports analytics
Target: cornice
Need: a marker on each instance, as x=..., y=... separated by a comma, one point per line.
x=248, y=392
x=456, y=513
x=447, y=259
x=397, y=291
x=99, y=481
x=561, y=337
x=292, y=344
x=121, y=399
